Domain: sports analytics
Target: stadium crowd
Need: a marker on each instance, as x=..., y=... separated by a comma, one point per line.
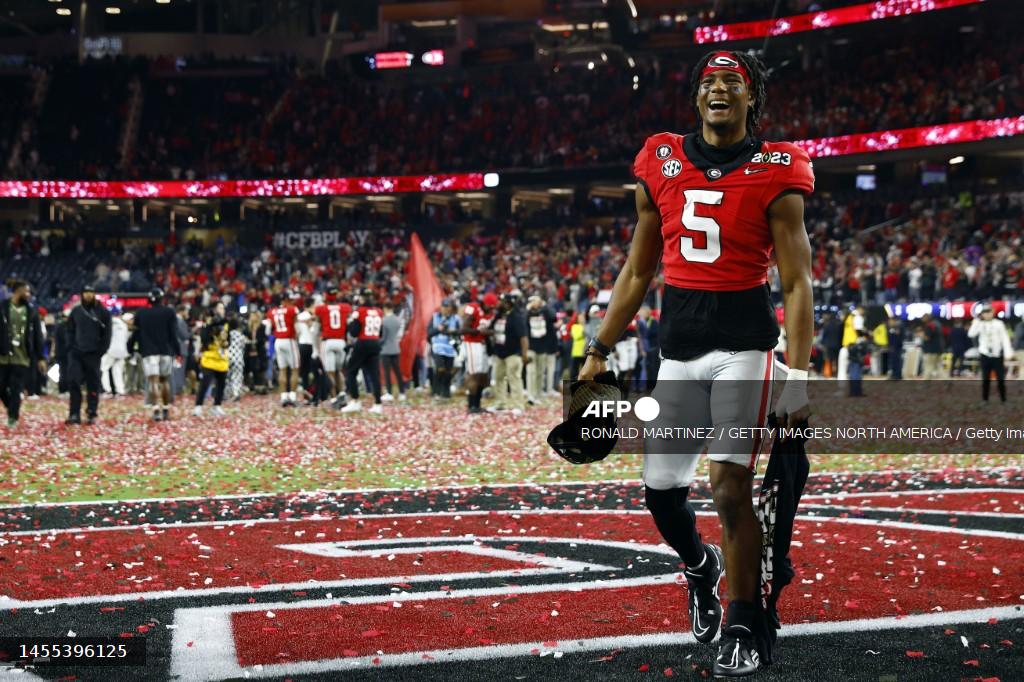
x=870, y=248
x=283, y=120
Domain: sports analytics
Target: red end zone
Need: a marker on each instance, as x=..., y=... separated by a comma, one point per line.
x=848, y=570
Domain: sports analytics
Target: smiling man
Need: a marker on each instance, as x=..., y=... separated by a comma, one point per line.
x=715, y=207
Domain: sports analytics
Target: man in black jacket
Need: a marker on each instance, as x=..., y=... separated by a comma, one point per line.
x=156, y=332
x=21, y=347
x=89, y=337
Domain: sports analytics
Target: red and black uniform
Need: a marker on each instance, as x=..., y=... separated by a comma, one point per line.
x=333, y=319
x=365, y=325
x=718, y=244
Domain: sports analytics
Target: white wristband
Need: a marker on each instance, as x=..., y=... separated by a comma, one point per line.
x=796, y=375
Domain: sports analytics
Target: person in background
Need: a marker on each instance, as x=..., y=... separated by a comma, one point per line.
x=21, y=347
x=880, y=343
x=859, y=351
x=236, y=359
x=444, y=335
x=959, y=342
x=894, y=332
x=156, y=333
x=214, y=365
x=306, y=334
x=89, y=337
x=1018, y=347
x=579, y=344
x=994, y=348
x=256, y=353
x=62, y=345
x=931, y=346
x=390, y=350
x=511, y=353
x=113, y=361
x=647, y=330
x=831, y=342
x=183, y=335
x=543, y=346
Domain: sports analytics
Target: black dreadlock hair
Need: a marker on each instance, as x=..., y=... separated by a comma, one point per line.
x=758, y=79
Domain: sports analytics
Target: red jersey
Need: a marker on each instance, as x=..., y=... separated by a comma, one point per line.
x=714, y=220
x=333, y=319
x=370, y=321
x=282, y=321
x=473, y=315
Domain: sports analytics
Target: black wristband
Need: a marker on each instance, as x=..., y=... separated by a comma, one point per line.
x=595, y=344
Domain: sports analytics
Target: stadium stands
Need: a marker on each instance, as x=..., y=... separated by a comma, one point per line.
x=217, y=120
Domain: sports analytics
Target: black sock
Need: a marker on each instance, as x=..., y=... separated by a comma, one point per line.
x=677, y=523
x=741, y=613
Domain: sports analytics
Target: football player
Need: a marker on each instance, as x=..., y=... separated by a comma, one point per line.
x=476, y=327
x=714, y=206
x=286, y=346
x=333, y=315
x=364, y=326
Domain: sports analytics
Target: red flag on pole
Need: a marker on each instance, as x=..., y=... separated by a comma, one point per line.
x=426, y=295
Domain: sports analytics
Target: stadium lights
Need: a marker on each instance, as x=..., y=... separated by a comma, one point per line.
x=64, y=11
x=955, y=160
x=112, y=10
x=491, y=179
x=632, y=8
x=590, y=66
x=54, y=0
x=163, y=2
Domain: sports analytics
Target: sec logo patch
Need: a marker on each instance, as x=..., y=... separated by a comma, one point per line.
x=671, y=168
x=663, y=151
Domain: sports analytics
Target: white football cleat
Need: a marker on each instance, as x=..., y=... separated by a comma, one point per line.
x=218, y=411
x=377, y=409
x=387, y=398
x=354, y=406
x=197, y=411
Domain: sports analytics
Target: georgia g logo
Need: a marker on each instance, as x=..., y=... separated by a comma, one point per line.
x=663, y=151
x=722, y=60
x=671, y=168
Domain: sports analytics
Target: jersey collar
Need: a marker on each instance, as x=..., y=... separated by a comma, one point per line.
x=717, y=162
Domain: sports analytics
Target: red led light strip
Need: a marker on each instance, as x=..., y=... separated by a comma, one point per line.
x=68, y=189
x=812, y=21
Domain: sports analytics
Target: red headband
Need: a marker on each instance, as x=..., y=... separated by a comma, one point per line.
x=725, y=61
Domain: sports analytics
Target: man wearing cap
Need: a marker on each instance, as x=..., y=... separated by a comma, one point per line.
x=156, y=330
x=89, y=329
x=717, y=207
x=21, y=347
x=994, y=348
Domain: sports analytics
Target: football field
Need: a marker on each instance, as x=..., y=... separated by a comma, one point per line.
x=424, y=544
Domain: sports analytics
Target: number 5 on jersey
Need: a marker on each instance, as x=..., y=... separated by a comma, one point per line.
x=712, y=249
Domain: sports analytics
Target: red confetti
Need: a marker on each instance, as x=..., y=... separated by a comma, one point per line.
x=915, y=654
x=644, y=668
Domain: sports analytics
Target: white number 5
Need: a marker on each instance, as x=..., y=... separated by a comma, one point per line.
x=697, y=223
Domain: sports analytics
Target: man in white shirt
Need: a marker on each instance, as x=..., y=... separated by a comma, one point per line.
x=112, y=361
x=994, y=346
